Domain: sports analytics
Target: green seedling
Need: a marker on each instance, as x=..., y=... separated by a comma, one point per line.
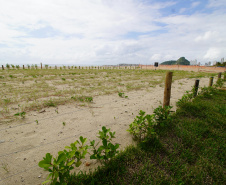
x=142, y=126
x=83, y=98
x=66, y=161
x=21, y=114
x=122, y=95
x=5, y=167
x=36, y=121
x=50, y=103
x=64, y=123
x=107, y=150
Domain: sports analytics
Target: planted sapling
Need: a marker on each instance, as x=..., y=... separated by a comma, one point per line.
x=107, y=150
x=61, y=166
x=122, y=95
x=21, y=114
x=142, y=126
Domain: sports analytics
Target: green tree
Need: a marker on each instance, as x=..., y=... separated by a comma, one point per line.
x=182, y=61
x=170, y=62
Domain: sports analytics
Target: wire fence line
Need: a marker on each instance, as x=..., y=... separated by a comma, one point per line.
x=36, y=166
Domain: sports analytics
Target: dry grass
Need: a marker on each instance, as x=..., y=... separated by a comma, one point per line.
x=32, y=88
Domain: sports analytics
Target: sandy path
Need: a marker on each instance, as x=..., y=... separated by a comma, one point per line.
x=22, y=145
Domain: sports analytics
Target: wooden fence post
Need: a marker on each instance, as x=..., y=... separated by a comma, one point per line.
x=196, y=87
x=2, y=67
x=23, y=66
x=211, y=82
x=41, y=65
x=219, y=76
x=167, y=91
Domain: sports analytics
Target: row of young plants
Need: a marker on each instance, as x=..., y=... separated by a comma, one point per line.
x=142, y=128
x=188, y=149
x=61, y=166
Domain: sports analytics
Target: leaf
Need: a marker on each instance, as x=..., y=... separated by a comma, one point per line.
x=70, y=163
x=116, y=146
x=78, y=163
x=83, y=140
x=92, y=143
x=61, y=157
x=104, y=142
x=44, y=164
x=93, y=156
x=48, y=157
x=46, y=181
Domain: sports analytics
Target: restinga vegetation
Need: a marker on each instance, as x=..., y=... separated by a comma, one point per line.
x=188, y=148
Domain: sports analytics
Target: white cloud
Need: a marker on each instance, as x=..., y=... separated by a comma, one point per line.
x=156, y=57
x=217, y=3
x=212, y=54
x=195, y=4
x=206, y=36
x=96, y=32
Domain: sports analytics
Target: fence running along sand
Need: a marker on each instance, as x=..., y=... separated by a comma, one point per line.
x=185, y=68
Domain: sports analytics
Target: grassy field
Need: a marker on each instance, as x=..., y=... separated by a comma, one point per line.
x=34, y=89
x=190, y=149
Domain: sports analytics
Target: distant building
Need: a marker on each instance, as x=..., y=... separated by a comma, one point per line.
x=222, y=60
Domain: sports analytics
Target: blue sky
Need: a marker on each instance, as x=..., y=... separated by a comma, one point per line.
x=103, y=32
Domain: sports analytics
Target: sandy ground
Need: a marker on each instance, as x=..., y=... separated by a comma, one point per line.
x=24, y=143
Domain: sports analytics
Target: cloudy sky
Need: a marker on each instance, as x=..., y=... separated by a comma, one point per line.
x=102, y=32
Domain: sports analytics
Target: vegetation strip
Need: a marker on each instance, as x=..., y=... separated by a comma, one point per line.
x=189, y=149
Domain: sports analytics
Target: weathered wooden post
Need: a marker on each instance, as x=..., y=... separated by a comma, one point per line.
x=23, y=66
x=2, y=67
x=219, y=76
x=211, y=82
x=167, y=91
x=79, y=67
x=196, y=87
x=41, y=65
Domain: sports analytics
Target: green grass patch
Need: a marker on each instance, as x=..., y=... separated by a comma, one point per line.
x=190, y=149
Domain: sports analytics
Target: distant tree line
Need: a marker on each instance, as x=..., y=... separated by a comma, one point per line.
x=218, y=64
x=180, y=61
